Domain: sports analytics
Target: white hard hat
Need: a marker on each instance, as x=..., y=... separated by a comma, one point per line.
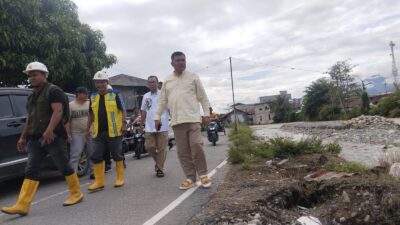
x=36, y=66
x=100, y=75
x=109, y=87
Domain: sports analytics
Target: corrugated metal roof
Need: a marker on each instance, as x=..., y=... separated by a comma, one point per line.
x=127, y=81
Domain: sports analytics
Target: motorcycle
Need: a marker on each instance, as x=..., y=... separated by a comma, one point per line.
x=221, y=126
x=139, y=146
x=134, y=141
x=212, y=133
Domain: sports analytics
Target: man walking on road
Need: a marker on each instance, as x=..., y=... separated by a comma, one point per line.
x=107, y=114
x=156, y=140
x=79, y=113
x=45, y=132
x=181, y=93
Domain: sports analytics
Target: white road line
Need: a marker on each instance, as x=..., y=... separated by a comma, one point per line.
x=180, y=199
x=50, y=197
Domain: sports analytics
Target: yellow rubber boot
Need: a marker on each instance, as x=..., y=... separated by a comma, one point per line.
x=76, y=195
x=98, y=184
x=21, y=207
x=120, y=174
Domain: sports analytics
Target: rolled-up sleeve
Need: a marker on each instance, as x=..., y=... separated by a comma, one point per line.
x=202, y=97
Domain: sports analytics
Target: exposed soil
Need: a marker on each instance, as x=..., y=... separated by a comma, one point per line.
x=279, y=194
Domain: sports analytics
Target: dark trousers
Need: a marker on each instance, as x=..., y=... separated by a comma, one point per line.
x=58, y=151
x=102, y=143
x=107, y=157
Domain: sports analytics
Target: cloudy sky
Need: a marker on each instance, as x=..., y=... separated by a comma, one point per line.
x=274, y=44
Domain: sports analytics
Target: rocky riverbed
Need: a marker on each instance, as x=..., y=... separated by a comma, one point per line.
x=374, y=130
x=365, y=139
x=277, y=193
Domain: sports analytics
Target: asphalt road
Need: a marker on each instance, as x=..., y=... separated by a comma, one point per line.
x=143, y=199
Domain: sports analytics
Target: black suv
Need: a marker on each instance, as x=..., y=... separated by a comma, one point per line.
x=12, y=119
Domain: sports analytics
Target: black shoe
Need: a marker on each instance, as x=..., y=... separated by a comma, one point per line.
x=91, y=176
x=107, y=168
x=160, y=173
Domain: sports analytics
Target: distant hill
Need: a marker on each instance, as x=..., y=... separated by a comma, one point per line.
x=377, y=85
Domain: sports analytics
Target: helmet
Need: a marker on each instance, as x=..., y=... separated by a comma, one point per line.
x=109, y=87
x=36, y=66
x=100, y=75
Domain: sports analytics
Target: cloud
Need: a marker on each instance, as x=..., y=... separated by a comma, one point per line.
x=275, y=45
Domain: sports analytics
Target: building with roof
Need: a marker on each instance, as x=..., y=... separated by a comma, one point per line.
x=132, y=89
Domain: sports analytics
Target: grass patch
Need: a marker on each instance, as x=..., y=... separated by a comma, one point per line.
x=284, y=147
x=347, y=167
x=245, y=149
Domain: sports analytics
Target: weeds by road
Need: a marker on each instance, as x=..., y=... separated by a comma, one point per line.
x=279, y=181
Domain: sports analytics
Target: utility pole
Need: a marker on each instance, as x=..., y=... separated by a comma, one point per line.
x=233, y=96
x=394, y=67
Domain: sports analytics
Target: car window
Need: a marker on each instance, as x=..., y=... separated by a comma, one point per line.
x=5, y=109
x=20, y=104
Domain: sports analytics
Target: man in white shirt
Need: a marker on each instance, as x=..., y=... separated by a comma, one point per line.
x=181, y=93
x=156, y=138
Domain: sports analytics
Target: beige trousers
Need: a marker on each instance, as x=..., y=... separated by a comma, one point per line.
x=189, y=145
x=156, y=144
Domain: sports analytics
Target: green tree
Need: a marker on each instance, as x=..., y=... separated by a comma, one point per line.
x=343, y=81
x=329, y=112
x=49, y=31
x=389, y=106
x=365, y=102
x=280, y=107
x=318, y=94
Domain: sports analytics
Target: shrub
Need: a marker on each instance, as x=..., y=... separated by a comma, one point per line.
x=389, y=105
x=236, y=155
x=292, y=116
x=333, y=148
x=394, y=112
x=347, y=167
x=283, y=147
x=329, y=112
x=244, y=149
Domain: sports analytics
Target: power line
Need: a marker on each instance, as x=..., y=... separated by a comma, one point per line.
x=279, y=66
x=212, y=65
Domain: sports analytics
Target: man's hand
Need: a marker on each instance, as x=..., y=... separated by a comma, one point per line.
x=124, y=128
x=141, y=129
x=157, y=124
x=87, y=135
x=48, y=137
x=206, y=121
x=69, y=139
x=21, y=145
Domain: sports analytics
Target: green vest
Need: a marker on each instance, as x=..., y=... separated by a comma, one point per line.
x=39, y=110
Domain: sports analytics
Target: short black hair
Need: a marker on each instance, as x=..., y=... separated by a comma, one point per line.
x=152, y=76
x=81, y=90
x=175, y=54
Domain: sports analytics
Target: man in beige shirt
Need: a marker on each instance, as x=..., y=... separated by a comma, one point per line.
x=181, y=93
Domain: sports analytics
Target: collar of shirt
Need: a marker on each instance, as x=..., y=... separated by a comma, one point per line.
x=155, y=93
x=181, y=75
